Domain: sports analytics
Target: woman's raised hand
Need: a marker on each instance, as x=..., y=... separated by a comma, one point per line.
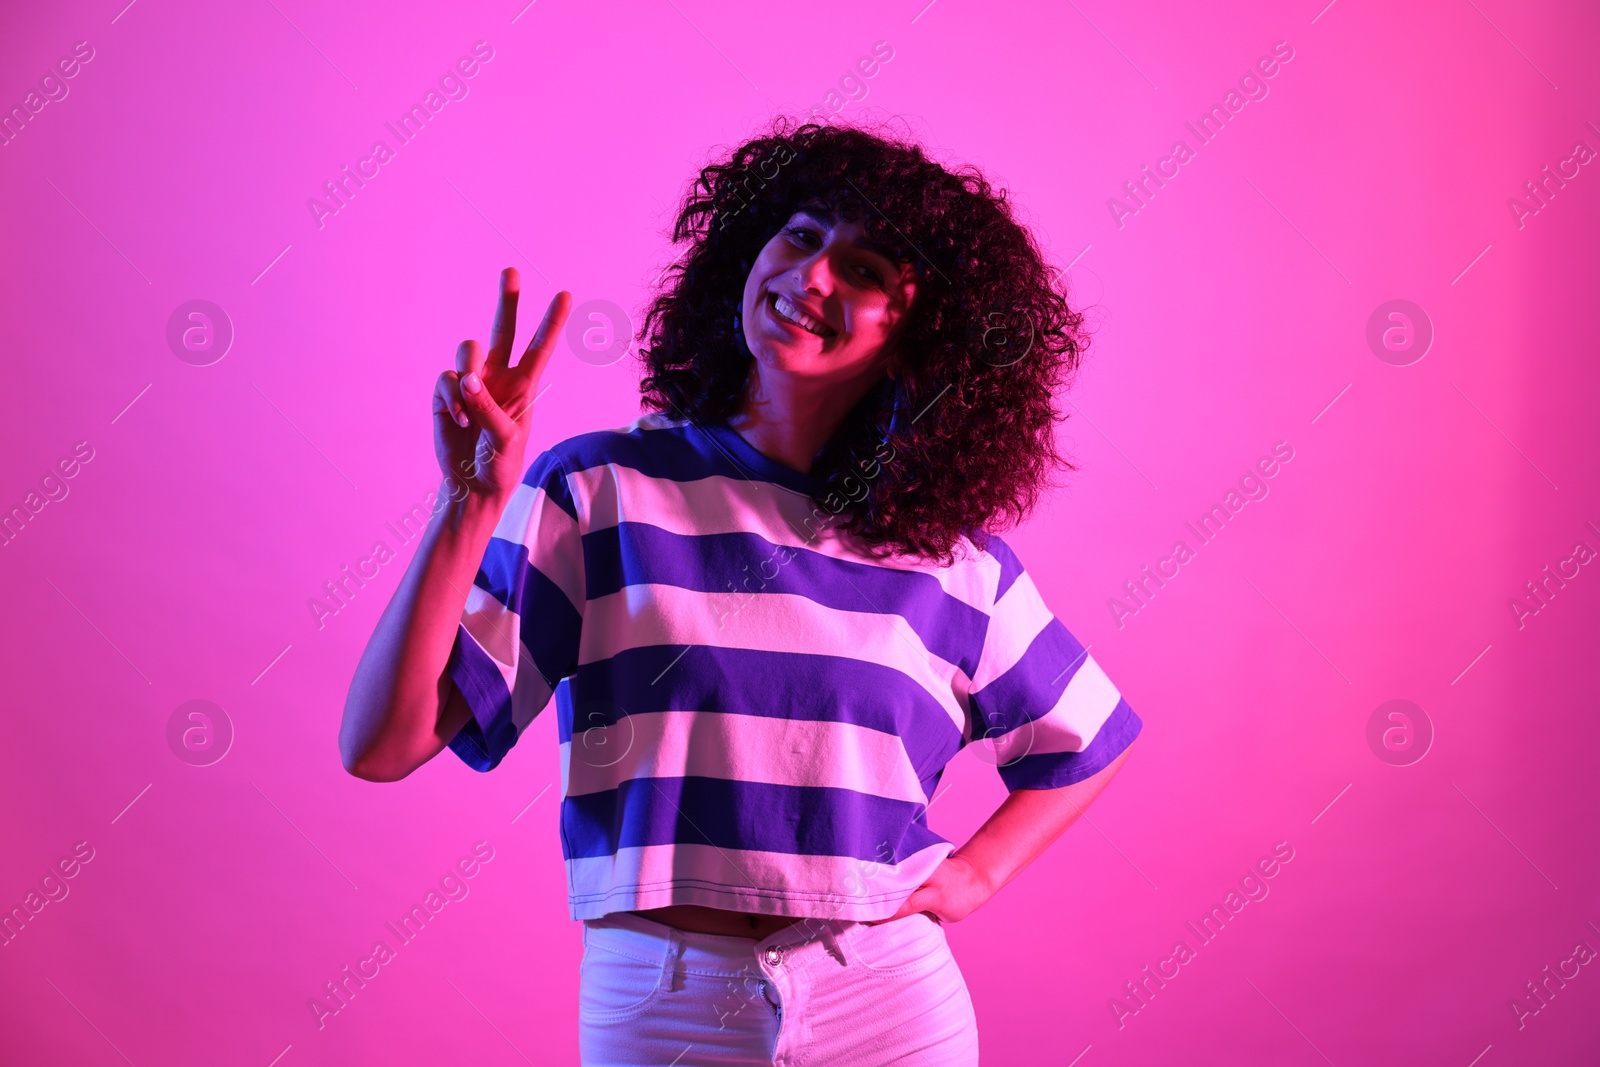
x=482, y=410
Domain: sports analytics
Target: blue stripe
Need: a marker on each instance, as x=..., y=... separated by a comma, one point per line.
x=675, y=451
x=1031, y=686
x=549, y=624
x=753, y=464
x=755, y=816
x=1051, y=770
x=637, y=553
x=547, y=473
x=481, y=685
x=1010, y=566
x=777, y=685
x=930, y=783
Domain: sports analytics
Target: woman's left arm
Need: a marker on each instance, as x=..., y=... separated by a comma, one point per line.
x=1013, y=837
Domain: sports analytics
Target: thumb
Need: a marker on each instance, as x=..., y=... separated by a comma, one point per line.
x=908, y=907
x=480, y=404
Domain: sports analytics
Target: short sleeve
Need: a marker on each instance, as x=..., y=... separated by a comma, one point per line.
x=1051, y=713
x=519, y=630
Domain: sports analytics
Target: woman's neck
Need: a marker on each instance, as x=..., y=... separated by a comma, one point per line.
x=790, y=418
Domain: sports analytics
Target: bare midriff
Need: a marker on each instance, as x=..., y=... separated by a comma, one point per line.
x=700, y=920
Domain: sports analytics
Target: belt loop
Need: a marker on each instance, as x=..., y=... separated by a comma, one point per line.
x=832, y=941
x=670, y=956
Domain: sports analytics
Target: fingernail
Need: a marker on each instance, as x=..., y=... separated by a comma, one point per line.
x=471, y=383
x=461, y=419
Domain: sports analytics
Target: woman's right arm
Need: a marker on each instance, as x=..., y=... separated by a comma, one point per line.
x=402, y=708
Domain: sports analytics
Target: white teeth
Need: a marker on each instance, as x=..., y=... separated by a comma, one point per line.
x=799, y=318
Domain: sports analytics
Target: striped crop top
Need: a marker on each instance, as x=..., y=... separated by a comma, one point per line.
x=753, y=712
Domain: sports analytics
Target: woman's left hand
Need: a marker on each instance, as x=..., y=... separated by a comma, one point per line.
x=950, y=894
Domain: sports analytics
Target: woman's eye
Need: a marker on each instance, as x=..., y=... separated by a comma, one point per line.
x=805, y=235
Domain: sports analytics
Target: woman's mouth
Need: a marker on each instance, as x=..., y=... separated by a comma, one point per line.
x=786, y=313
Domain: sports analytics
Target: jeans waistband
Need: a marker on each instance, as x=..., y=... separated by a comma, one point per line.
x=797, y=945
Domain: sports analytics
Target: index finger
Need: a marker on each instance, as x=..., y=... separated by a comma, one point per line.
x=505, y=319
x=533, y=361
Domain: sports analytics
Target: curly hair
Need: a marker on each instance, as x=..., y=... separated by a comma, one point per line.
x=988, y=341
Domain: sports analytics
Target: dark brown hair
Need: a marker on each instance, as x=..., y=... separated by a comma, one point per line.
x=989, y=341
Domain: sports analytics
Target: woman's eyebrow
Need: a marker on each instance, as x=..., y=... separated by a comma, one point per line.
x=878, y=249
x=829, y=218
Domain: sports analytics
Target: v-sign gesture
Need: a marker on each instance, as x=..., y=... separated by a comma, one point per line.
x=402, y=708
x=482, y=410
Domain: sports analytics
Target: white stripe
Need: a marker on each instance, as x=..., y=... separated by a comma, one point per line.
x=738, y=880
x=530, y=694
x=551, y=536
x=494, y=629
x=1018, y=618
x=487, y=622
x=610, y=493
x=537, y=522
x=1071, y=725
x=740, y=748
x=643, y=615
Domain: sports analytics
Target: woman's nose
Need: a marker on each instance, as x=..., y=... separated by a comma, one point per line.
x=816, y=274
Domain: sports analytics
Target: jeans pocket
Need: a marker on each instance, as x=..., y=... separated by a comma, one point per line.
x=900, y=948
x=613, y=986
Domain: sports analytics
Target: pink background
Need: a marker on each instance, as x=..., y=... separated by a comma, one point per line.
x=1229, y=312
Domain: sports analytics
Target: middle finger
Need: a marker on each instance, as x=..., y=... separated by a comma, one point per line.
x=505, y=319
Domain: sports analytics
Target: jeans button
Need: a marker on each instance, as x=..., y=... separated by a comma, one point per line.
x=774, y=956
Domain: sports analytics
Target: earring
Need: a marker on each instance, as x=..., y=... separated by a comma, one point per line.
x=898, y=423
x=897, y=411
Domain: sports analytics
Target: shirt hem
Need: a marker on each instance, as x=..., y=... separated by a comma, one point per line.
x=791, y=903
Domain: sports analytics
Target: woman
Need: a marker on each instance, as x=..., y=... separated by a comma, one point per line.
x=771, y=610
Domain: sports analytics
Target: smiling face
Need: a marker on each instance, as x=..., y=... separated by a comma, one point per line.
x=822, y=301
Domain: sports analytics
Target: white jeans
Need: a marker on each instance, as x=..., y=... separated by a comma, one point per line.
x=820, y=993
